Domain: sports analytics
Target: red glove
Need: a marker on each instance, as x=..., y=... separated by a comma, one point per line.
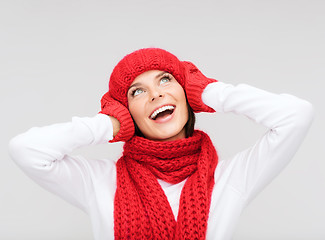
x=195, y=83
x=115, y=109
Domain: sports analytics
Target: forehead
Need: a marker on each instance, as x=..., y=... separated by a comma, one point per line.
x=148, y=76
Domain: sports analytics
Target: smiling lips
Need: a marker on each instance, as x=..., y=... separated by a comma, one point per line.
x=169, y=108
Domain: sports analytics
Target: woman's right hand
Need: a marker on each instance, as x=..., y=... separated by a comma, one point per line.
x=123, y=126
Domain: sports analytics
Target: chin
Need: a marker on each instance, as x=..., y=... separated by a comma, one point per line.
x=167, y=135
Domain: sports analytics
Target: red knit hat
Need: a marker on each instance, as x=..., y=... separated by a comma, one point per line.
x=115, y=103
x=139, y=62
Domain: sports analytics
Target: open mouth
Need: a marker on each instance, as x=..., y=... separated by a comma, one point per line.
x=162, y=112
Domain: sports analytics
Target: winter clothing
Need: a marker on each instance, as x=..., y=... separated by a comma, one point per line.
x=137, y=197
x=115, y=109
x=140, y=61
x=141, y=209
x=194, y=85
x=46, y=155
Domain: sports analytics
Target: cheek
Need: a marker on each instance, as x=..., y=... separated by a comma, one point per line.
x=179, y=95
x=137, y=111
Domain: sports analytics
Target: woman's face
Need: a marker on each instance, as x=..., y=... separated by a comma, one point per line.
x=158, y=105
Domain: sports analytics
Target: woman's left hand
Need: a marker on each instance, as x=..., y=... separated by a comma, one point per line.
x=195, y=83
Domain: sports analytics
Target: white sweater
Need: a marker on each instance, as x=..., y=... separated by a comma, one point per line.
x=43, y=154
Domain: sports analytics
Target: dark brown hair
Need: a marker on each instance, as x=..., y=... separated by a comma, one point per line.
x=189, y=126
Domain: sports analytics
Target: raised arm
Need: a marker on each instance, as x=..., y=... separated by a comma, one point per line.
x=287, y=118
x=43, y=154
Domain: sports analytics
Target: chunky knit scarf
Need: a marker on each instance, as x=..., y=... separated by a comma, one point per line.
x=141, y=208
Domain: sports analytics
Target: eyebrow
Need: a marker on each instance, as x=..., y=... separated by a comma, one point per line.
x=138, y=84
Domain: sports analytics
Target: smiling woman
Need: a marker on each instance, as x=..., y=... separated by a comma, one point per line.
x=158, y=106
x=169, y=183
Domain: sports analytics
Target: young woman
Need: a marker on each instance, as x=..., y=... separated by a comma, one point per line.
x=169, y=183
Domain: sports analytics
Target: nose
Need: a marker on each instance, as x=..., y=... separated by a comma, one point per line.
x=154, y=98
x=156, y=94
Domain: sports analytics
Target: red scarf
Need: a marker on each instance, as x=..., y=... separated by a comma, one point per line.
x=141, y=208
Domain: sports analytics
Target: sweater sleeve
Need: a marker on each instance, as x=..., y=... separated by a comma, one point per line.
x=43, y=154
x=287, y=119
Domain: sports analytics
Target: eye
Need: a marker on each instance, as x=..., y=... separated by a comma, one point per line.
x=166, y=78
x=136, y=92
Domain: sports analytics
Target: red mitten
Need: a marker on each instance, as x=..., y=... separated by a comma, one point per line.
x=115, y=109
x=195, y=83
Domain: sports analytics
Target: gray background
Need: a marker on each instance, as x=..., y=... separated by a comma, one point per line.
x=56, y=57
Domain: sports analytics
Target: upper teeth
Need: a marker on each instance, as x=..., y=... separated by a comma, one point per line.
x=159, y=110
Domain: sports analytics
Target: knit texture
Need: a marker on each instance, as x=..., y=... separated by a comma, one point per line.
x=194, y=86
x=115, y=109
x=141, y=208
x=139, y=62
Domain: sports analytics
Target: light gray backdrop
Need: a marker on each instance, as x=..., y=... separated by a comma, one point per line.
x=56, y=57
